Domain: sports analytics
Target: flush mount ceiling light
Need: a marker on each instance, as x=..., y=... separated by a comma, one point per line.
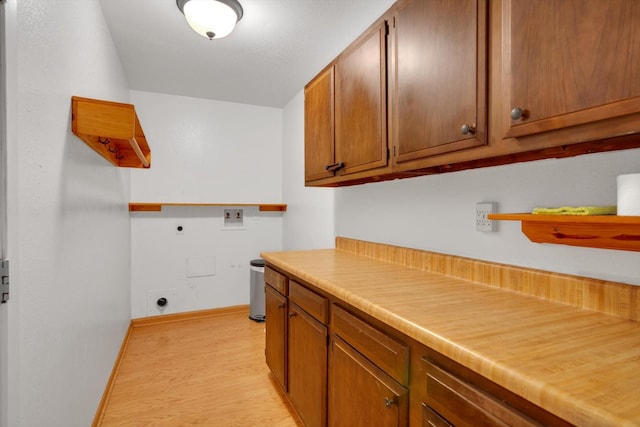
x=213, y=19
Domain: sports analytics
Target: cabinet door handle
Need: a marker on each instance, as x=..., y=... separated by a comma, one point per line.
x=334, y=166
x=390, y=402
x=281, y=305
x=292, y=314
x=518, y=113
x=466, y=129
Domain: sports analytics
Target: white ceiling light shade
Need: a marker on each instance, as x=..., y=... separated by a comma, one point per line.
x=213, y=19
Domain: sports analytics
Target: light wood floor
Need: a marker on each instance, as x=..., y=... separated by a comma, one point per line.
x=209, y=371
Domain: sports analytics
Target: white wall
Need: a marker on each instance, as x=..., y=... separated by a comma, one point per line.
x=203, y=151
x=309, y=221
x=437, y=212
x=70, y=263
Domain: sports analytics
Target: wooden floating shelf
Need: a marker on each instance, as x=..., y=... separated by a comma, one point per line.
x=602, y=231
x=157, y=207
x=112, y=129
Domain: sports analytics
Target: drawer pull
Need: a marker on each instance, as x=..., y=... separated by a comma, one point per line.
x=334, y=167
x=390, y=402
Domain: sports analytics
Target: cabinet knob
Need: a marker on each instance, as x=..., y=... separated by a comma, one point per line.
x=390, y=402
x=292, y=314
x=280, y=305
x=468, y=129
x=518, y=113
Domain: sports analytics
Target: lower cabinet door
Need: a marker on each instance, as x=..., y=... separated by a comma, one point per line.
x=307, y=367
x=361, y=394
x=276, y=332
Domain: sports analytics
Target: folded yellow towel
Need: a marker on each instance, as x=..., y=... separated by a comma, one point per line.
x=581, y=210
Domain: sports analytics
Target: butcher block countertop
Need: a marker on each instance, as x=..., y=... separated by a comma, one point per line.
x=581, y=364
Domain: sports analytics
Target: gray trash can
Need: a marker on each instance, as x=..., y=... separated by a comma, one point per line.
x=256, y=306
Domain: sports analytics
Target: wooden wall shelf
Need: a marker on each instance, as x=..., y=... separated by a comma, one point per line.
x=112, y=129
x=157, y=207
x=605, y=232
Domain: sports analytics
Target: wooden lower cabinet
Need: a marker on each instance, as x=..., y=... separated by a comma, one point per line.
x=276, y=334
x=369, y=374
x=307, y=367
x=361, y=394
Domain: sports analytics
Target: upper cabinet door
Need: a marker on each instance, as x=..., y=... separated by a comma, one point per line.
x=318, y=126
x=361, y=103
x=568, y=62
x=439, y=77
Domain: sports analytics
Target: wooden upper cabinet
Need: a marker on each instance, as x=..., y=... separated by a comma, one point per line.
x=361, y=103
x=569, y=62
x=346, y=113
x=438, y=78
x=319, y=126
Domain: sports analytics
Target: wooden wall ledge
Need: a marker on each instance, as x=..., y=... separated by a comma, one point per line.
x=157, y=207
x=601, y=231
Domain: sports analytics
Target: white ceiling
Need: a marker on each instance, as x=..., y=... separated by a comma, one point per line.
x=276, y=48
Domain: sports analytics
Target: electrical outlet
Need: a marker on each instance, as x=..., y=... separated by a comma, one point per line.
x=483, y=223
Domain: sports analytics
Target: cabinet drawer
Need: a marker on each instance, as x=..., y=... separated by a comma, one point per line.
x=466, y=405
x=431, y=419
x=385, y=352
x=309, y=301
x=276, y=280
